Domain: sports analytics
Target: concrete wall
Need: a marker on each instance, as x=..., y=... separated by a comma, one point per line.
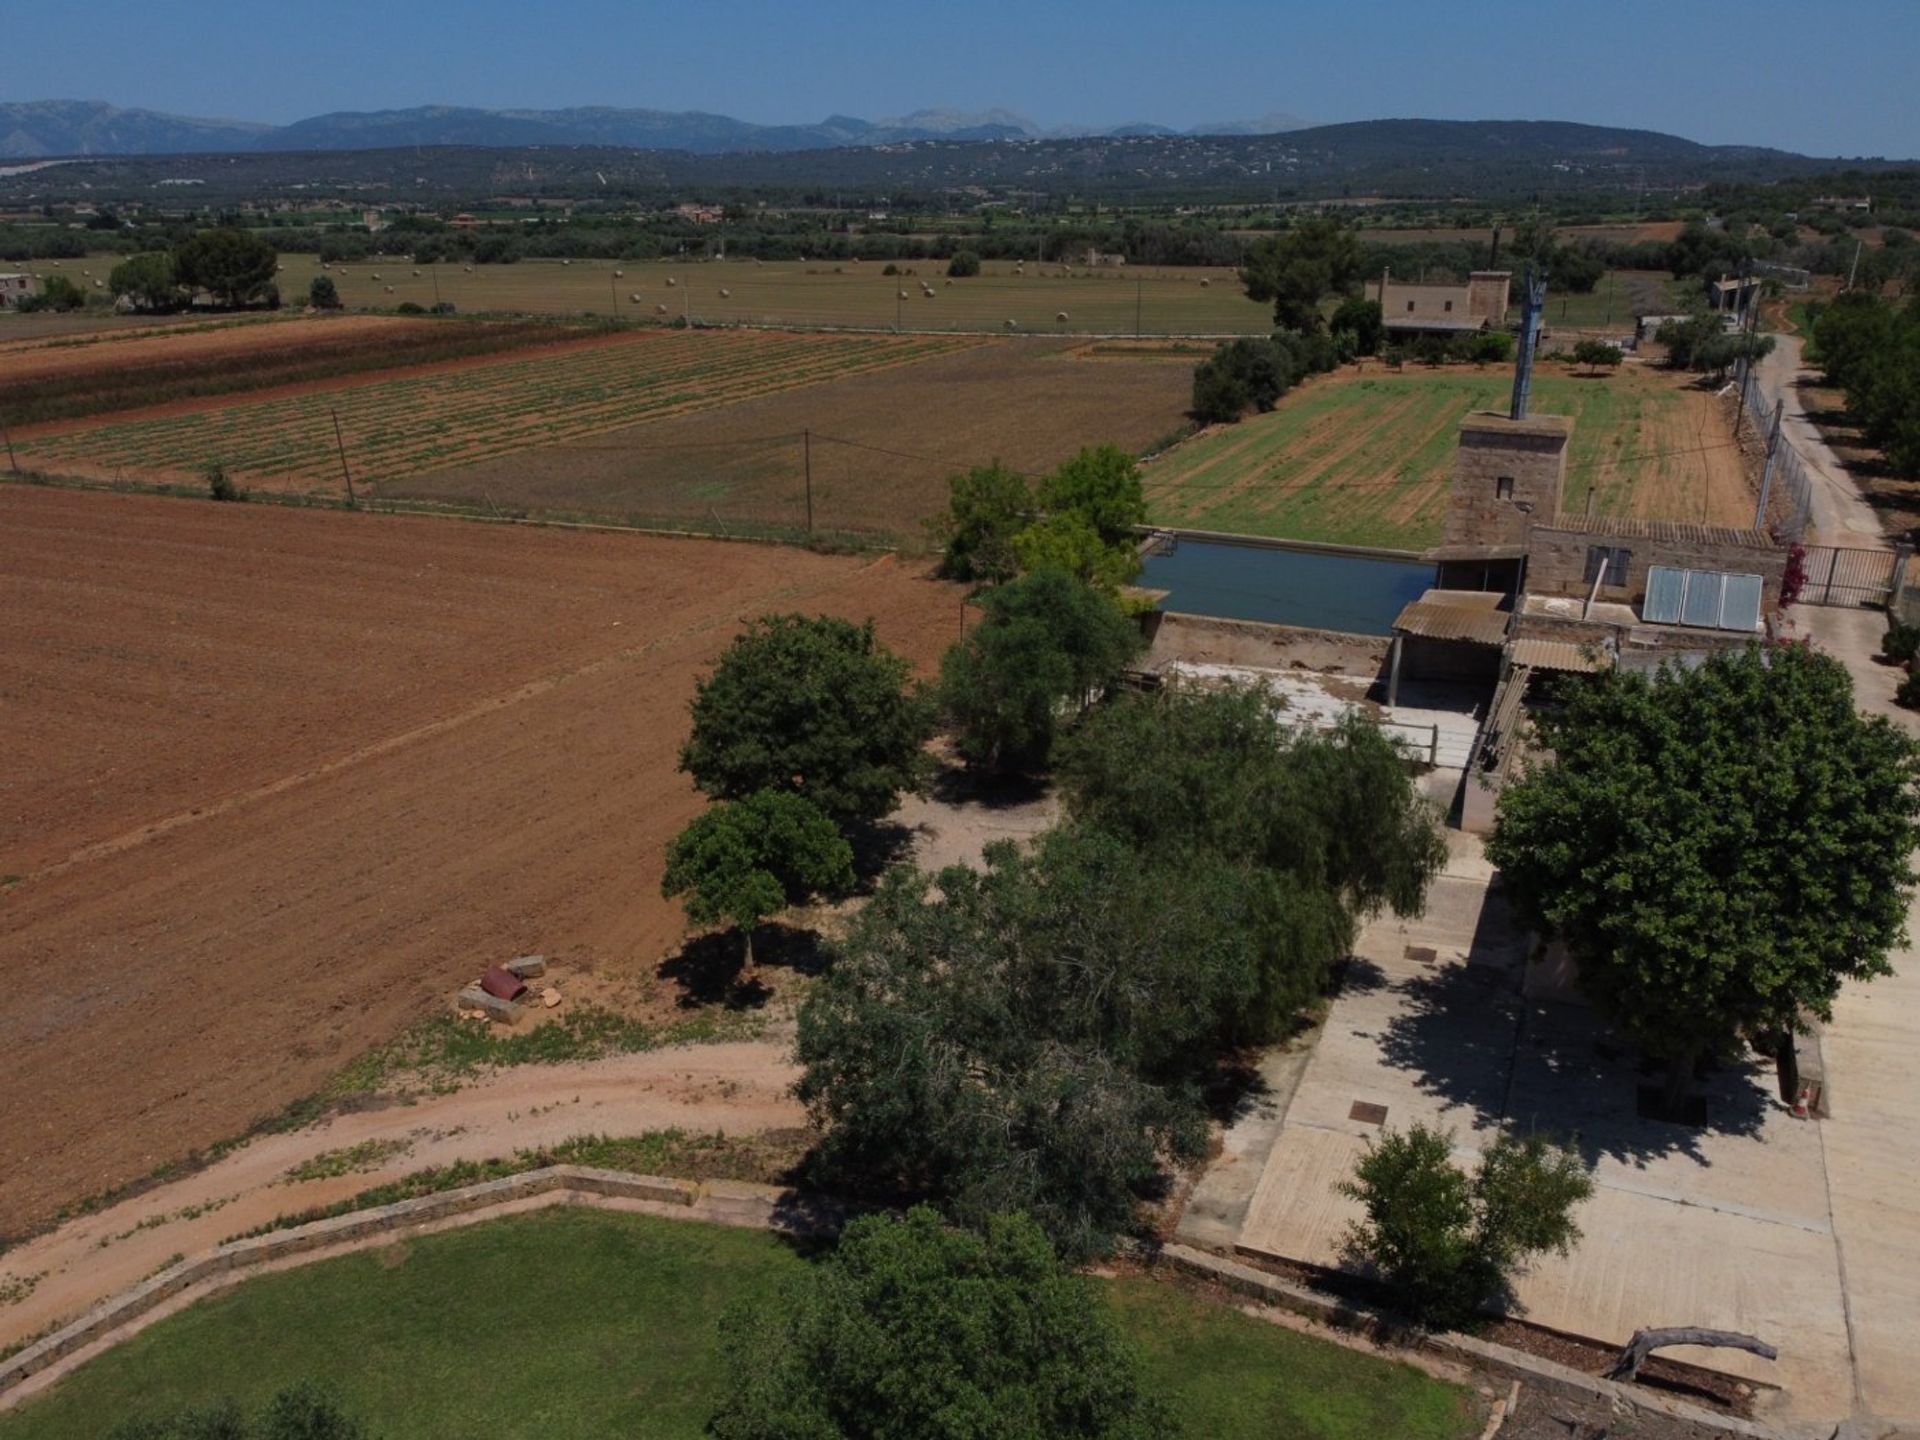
x=1210, y=641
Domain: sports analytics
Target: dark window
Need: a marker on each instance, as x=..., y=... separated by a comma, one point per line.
x=1449, y=306
x=1409, y=307
x=1503, y=488
x=1616, y=558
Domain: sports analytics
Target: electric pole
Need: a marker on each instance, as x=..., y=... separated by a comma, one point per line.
x=806, y=441
x=340, y=441
x=12, y=460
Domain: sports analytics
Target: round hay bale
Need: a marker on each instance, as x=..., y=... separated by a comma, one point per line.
x=949, y=282
x=726, y=294
x=619, y=274
x=659, y=309
x=1061, y=316
x=1204, y=282
x=389, y=289
x=467, y=268
x=671, y=281
x=416, y=272
x=566, y=262
x=376, y=274
x=1013, y=324
x=902, y=294
x=99, y=284
x=634, y=297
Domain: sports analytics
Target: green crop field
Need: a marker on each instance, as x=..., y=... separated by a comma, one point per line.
x=592, y=1324
x=1365, y=459
x=405, y=425
x=1123, y=300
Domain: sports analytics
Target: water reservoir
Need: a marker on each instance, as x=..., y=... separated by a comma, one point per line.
x=1321, y=590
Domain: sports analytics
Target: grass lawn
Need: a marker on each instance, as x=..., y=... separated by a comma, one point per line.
x=1366, y=458
x=589, y=1324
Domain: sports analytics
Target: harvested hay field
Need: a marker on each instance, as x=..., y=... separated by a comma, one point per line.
x=882, y=445
x=1365, y=457
x=407, y=423
x=855, y=294
x=281, y=779
x=96, y=374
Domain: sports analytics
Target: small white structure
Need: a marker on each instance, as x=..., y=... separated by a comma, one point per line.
x=16, y=286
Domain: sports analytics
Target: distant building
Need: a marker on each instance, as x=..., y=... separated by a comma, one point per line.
x=373, y=220
x=15, y=287
x=700, y=214
x=464, y=221
x=1844, y=202
x=1732, y=294
x=1409, y=310
x=1097, y=258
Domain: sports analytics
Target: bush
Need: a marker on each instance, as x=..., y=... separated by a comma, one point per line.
x=1362, y=319
x=1596, y=355
x=1486, y=347
x=1902, y=642
x=323, y=294
x=912, y=1331
x=409, y=307
x=300, y=1412
x=57, y=292
x=1445, y=1244
x=220, y=485
x=964, y=265
x=986, y=507
x=1909, y=692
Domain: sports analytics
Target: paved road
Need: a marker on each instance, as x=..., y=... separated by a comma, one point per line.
x=1841, y=516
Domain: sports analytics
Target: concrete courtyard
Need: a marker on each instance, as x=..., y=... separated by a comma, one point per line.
x=1804, y=1232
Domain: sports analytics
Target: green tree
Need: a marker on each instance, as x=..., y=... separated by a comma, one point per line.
x=147, y=280
x=1596, y=355
x=1069, y=543
x=235, y=266
x=743, y=860
x=964, y=265
x=1720, y=847
x=1299, y=268
x=322, y=293
x=1445, y=1244
x=815, y=705
x=1102, y=484
x=910, y=1330
x=1048, y=644
x=56, y=292
x=1360, y=318
x=986, y=507
x=1031, y=1036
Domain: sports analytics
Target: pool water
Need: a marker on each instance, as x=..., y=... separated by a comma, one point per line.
x=1357, y=594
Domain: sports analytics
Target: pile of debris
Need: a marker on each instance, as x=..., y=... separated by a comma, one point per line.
x=502, y=994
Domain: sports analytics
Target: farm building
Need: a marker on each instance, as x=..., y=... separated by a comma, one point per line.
x=1410, y=310
x=15, y=287
x=700, y=214
x=1732, y=294
x=1096, y=258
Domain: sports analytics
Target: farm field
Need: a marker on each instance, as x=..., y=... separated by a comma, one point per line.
x=809, y=293
x=402, y=424
x=279, y=779
x=579, y=1323
x=1365, y=458
x=113, y=371
x=881, y=449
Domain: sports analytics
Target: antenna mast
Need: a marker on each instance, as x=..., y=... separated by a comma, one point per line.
x=1533, y=301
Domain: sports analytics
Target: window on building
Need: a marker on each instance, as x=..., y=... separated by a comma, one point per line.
x=1503, y=488
x=1409, y=307
x=1615, y=557
x=1449, y=307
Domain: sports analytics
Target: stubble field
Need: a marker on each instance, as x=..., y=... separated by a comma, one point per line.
x=280, y=780
x=1365, y=457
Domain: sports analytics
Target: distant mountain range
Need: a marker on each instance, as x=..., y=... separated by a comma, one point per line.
x=35, y=129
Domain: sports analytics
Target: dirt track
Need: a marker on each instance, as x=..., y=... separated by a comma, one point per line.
x=372, y=752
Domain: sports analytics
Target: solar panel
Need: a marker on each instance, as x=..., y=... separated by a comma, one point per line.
x=1705, y=599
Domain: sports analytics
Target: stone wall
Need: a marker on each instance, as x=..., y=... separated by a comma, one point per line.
x=1482, y=510
x=1557, y=556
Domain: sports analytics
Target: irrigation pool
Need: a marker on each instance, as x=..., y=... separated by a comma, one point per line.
x=1356, y=592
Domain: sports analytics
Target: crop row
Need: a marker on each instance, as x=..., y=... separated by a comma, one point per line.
x=403, y=426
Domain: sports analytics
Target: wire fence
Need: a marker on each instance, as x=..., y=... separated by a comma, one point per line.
x=1788, y=486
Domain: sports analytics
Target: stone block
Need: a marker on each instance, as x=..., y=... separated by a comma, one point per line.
x=505, y=1012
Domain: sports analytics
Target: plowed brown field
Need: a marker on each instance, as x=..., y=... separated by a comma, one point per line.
x=277, y=781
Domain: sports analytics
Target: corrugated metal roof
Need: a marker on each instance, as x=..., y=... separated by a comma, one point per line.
x=1557, y=655
x=1628, y=527
x=1437, y=620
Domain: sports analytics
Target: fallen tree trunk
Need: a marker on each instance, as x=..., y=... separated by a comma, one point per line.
x=1645, y=1342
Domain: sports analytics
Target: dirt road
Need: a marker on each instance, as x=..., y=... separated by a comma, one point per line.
x=1841, y=516
x=739, y=1088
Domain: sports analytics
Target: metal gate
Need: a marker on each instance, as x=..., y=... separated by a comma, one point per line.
x=1848, y=576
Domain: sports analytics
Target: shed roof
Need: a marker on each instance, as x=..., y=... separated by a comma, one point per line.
x=1558, y=655
x=1452, y=615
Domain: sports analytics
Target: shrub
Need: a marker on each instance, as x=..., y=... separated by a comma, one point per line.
x=964, y=265
x=57, y=292
x=409, y=307
x=1909, y=692
x=986, y=507
x=1445, y=1244
x=323, y=294
x=220, y=485
x=1362, y=319
x=910, y=1329
x=1902, y=642
x=1596, y=355
x=300, y=1412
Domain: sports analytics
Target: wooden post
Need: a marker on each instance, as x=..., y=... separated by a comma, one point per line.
x=340, y=441
x=12, y=459
x=806, y=440
x=1433, y=750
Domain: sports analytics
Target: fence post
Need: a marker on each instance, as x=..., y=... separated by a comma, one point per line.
x=1433, y=750
x=1832, y=566
x=1766, y=475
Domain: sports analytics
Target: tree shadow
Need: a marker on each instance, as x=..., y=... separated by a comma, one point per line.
x=989, y=789
x=1472, y=1041
x=878, y=846
x=709, y=969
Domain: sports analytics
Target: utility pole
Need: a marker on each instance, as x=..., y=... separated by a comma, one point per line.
x=898, y=295
x=1773, y=454
x=340, y=441
x=1854, y=268
x=806, y=441
x=613, y=293
x=1139, y=288
x=434, y=271
x=1752, y=322
x=12, y=460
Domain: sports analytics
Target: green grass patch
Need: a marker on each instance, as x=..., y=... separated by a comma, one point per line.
x=578, y=1323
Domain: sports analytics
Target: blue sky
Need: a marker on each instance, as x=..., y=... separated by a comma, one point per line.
x=1823, y=78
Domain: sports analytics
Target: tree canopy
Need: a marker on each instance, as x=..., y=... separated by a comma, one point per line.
x=986, y=507
x=1102, y=485
x=1596, y=355
x=1299, y=268
x=1871, y=350
x=300, y=1412
x=235, y=266
x=815, y=705
x=1048, y=644
x=148, y=280
x=743, y=860
x=1721, y=848
x=910, y=1330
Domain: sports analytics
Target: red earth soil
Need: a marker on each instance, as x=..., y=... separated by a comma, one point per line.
x=279, y=781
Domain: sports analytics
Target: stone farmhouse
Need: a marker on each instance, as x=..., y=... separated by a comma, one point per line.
x=1414, y=310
